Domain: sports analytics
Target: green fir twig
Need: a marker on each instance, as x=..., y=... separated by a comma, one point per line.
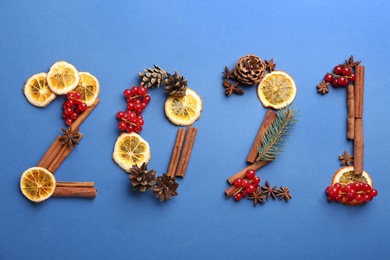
x=274, y=138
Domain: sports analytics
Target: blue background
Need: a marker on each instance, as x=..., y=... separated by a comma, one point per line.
x=114, y=40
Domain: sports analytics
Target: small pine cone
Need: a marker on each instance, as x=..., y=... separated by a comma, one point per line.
x=165, y=187
x=153, y=77
x=175, y=85
x=249, y=70
x=141, y=178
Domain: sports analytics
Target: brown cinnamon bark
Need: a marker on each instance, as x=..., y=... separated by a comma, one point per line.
x=51, y=153
x=351, y=112
x=187, y=150
x=232, y=190
x=76, y=124
x=60, y=157
x=270, y=116
x=75, y=192
x=241, y=174
x=358, y=151
x=177, y=148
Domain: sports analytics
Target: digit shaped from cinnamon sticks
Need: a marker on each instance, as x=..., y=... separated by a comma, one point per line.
x=358, y=150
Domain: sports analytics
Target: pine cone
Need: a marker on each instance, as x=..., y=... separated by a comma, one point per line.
x=141, y=178
x=165, y=187
x=175, y=85
x=152, y=77
x=249, y=70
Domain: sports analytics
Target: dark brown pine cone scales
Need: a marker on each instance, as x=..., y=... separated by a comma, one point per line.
x=153, y=77
x=249, y=70
x=165, y=187
x=142, y=179
x=175, y=85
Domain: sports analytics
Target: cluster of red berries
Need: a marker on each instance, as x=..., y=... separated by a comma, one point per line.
x=247, y=185
x=131, y=120
x=73, y=107
x=352, y=193
x=342, y=76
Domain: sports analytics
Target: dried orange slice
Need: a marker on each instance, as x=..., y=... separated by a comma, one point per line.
x=346, y=175
x=37, y=184
x=62, y=77
x=277, y=90
x=88, y=87
x=183, y=111
x=130, y=149
x=37, y=91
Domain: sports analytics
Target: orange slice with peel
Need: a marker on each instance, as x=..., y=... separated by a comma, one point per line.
x=37, y=184
x=88, y=87
x=62, y=77
x=37, y=90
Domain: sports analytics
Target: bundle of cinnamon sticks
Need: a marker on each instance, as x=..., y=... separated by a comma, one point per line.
x=181, y=152
x=355, y=98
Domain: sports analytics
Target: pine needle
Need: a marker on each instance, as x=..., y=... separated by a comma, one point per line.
x=274, y=138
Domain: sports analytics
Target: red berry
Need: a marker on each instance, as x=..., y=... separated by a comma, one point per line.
x=346, y=71
x=142, y=91
x=138, y=111
x=244, y=193
x=352, y=77
x=351, y=194
x=70, y=95
x=328, y=77
x=359, y=197
x=330, y=198
x=77, y=95
x=367, y=198
x=122, y=126
x=146, y=99
x=69, y=121
x=340, y=197
x=143, y=105
x=338, y=186
x=342, y=81
x=328, y=190
x=120, y=115
x=366, y=187
x=238, y=196
x=256, y=180
x=245, y=183
x=134, y=91
x=250, y=174
x=130, y=128
x=127, y=92
x=140, y=122
x=238, y=182
x=250, y=188
x=335, y=83
x=338, y=69
x=138, y=128
x=374, y=193
x=82, y=107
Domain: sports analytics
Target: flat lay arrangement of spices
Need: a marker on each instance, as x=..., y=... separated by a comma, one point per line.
x=351, y=185
x=276, y=90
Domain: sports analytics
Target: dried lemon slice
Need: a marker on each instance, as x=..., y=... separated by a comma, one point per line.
x=183, y=111
x=62, y=77
x=37, y=184
x=37, y=91
x=88, y=87
x=277, y=90
x=130, y=149
x=346, y=175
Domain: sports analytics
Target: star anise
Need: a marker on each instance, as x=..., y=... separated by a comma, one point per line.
x=323, y=87
x=346, y=158
x=230, y=88
x=228, y=74
x=269, y=191
x=284, y=193
x=351, y=62
x=70, y=136
x=257, y=196
x=270, y=65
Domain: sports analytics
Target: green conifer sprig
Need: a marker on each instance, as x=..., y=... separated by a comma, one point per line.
x=273, y=140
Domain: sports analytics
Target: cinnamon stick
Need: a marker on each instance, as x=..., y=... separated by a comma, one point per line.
x=51, y=153
x=177, y=148
x=241, y=174
x=232, y=190
x=351, y=112
x=187, y=150
x=74, y=184
x=270, y=116
x=358, y=150
x=76, y=124
x=60, y=157
x=75, y=192
x=358, y=147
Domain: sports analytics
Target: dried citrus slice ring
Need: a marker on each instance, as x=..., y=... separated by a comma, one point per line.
x=37, y=184
x=130, y=149
x=37, y=90
x=346, y=175
x=183, y=111
x=62, y=77
x=88, y=87
x=277, y=90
